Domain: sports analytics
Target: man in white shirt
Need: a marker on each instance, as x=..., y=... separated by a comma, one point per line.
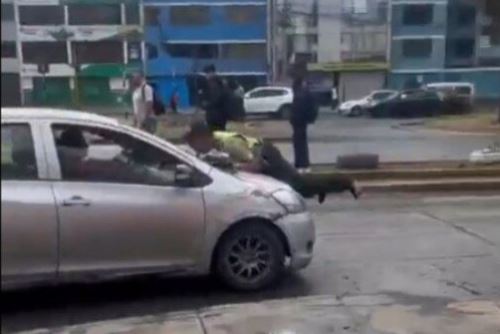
x=142, y=100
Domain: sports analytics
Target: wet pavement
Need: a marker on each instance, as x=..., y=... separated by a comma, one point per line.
x=377, y=260
x=334, y=135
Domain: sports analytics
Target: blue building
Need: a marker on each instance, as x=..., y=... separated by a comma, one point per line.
x=182, y=37
x=446, y=40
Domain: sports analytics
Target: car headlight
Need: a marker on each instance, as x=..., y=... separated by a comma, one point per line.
x=292, y=202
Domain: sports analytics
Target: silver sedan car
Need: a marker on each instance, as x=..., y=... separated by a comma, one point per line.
x=87, y=198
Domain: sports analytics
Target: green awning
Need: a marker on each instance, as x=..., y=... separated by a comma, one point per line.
x=348, y=67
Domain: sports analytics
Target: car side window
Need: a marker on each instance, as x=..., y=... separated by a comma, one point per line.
x=18, y=153
x=259, y=93
x=89, y=154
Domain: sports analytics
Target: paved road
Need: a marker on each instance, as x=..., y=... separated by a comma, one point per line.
x=429, y=250
x=333, y=135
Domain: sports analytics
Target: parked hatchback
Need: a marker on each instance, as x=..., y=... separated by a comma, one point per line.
x=274, y=101
x=86, y=198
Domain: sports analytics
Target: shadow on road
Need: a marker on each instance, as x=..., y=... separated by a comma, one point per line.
x=82, y=303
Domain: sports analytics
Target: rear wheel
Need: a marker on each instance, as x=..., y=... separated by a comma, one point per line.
x=284, y=112
x=250, y=257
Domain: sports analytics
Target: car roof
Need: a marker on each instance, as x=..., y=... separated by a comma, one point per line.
x=273, y=87
x=449, y=84
x=55, y=114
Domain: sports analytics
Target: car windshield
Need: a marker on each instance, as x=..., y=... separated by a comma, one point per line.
x=250, y=166
x=381, y=96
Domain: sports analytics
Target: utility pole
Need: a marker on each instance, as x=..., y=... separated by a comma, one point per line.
x=271, y=29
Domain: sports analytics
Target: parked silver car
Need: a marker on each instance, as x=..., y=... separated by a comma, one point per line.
x=86, y=198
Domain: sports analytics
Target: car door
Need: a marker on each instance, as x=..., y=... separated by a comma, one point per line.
x=276, y=98
x=257, y=101
x=121, y=208
x=29, y=215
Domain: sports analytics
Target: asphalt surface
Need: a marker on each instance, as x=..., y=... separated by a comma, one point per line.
x=414, y=248
x=392, y=139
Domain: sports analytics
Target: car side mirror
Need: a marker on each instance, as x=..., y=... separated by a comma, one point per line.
x=184, y=175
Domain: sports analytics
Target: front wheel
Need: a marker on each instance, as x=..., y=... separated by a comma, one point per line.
x=250, y=257
x=356, y=111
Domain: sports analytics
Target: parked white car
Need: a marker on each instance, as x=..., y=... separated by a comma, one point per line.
x=488, y=155
x=87, y=198
x=464, y=90
x=356, y=107
x=274, y=101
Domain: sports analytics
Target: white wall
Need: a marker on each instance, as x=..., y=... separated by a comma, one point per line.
x=329, y=31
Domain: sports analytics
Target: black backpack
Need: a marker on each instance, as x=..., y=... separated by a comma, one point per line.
x=312, y=109
x=234, y=107
x=158, y=106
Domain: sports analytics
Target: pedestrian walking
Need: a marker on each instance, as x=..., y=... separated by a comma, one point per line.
x=304, y=112
x=174, y=101
x=143, y=104
x=235, y=107
x=213, y=101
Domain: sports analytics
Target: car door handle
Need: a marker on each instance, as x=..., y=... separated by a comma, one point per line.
x=76, y=201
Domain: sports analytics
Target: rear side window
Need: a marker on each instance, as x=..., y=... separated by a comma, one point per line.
x=268, y=93
x=464, y=90
x=18, y=153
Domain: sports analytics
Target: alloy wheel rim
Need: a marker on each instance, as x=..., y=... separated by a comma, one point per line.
x=249, y=258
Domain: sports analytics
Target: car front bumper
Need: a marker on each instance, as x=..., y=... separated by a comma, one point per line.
x=300, y=232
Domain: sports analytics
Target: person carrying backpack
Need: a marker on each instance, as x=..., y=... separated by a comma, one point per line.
x=304, y=112
x=147, y=106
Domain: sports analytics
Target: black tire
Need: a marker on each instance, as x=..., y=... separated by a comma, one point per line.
x=356, y=111
x=284, y=112
x=242, y=272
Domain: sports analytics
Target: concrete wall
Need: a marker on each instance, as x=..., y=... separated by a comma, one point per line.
x=329, y=31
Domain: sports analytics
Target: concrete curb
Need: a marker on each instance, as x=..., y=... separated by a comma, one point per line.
x=455, y=185
x=419, y=174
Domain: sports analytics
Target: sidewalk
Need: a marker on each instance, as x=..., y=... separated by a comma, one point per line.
x=365, y=314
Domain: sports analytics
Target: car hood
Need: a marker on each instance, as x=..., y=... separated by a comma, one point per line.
x=266, y=184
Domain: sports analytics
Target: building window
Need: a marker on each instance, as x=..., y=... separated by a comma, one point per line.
x=200, y=51
x=134, y=51
x=244, y=51
x=151, y=51
x=9, y=50
x=151, y=15
x=466, y=15
x=41, y=15
x=45, y=52
x=242, y=14
x=94, y=14
x=132, y=14
x=418, y=15
x=7, y=12
x=101, y=52
x=189, y=15
x=417, y=48
x=464, y=48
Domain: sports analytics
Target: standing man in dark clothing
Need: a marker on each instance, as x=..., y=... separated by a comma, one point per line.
x=214, y=100
x=304, y=112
